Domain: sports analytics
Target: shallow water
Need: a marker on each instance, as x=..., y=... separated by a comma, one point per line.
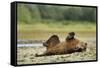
x=27, y=45
x=90, y=40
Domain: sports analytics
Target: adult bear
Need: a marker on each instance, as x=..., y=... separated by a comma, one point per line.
x=70, y=45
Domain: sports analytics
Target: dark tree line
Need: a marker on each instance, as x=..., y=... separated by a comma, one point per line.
x=28, y=13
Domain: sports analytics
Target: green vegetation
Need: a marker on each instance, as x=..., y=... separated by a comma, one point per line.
x=30, y=13
x=40, y=21
x=39, y=31
x=57, y=27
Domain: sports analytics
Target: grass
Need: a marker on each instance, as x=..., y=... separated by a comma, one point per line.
x=41, y=31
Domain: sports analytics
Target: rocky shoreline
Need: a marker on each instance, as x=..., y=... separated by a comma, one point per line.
x=26, y=55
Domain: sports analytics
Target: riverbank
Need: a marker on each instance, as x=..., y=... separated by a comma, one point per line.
x=26, y=55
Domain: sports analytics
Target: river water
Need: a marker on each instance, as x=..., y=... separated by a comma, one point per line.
x=27, y=45
x=88, y=40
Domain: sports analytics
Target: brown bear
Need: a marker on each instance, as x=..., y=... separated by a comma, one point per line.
x=70, y=45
